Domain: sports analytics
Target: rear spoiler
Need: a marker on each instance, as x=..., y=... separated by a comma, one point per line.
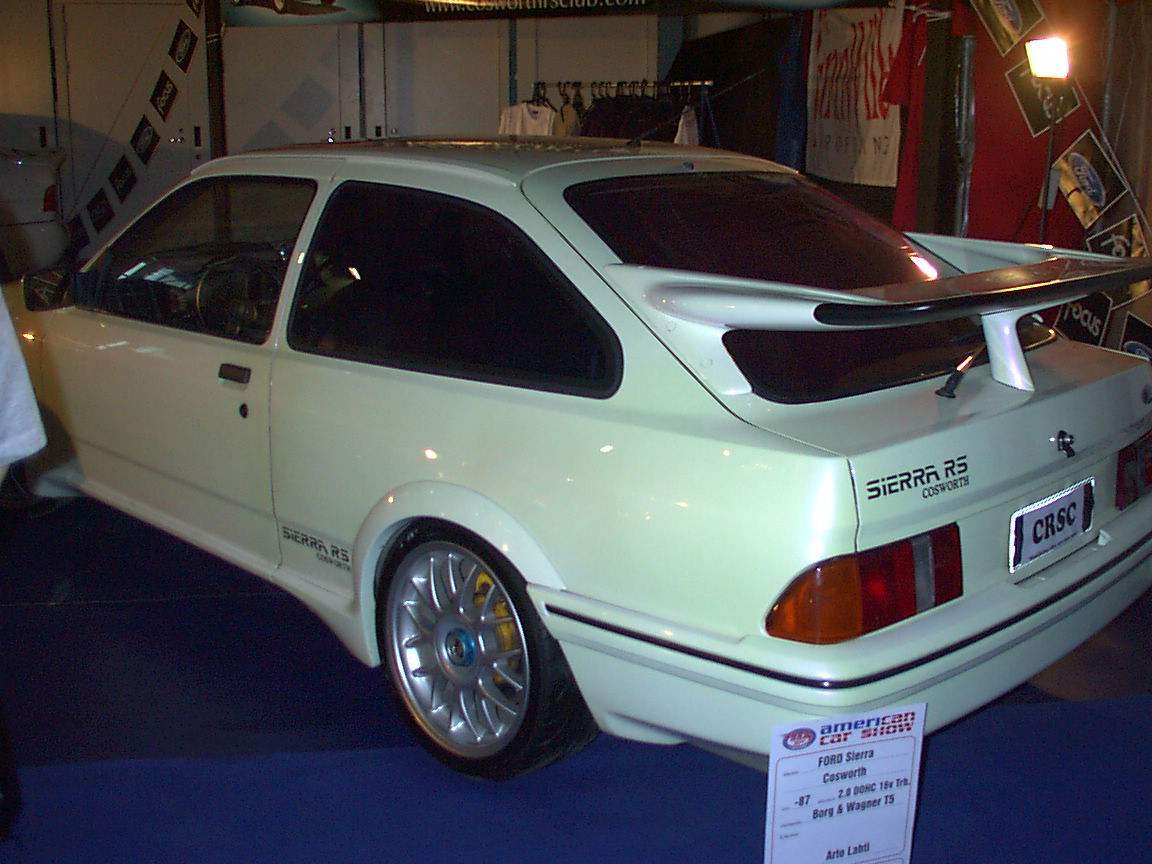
x=999, y=297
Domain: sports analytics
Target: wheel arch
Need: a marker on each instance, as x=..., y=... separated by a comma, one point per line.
x=391, y=521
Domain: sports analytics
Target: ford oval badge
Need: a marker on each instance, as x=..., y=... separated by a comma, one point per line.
x=1088, y=179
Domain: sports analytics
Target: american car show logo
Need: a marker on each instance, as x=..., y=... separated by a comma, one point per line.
x=800, y=738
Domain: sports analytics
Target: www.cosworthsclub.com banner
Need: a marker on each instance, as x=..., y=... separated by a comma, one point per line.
x=263, y=13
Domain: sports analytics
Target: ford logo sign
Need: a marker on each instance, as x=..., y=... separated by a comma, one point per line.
x=1088, y=179
x=1009, y=13
x=1137, y=348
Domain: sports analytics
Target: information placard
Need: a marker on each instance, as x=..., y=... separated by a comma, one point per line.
x=844, y=788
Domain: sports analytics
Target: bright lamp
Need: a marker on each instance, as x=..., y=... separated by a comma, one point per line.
x=1048, y=58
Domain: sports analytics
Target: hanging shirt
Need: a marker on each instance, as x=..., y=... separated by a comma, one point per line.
x=688, y=132
x=906, y=86
x=527, y=118
x=21, y=432
x=567, y=121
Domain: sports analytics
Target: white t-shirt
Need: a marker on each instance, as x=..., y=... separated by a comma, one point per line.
x=526, y=118
x=688, y=130
x=21, y=432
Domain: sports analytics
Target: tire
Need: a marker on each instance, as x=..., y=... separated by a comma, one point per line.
x=483, y=683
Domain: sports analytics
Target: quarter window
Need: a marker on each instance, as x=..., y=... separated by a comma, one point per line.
x=418, y=280
x=209, y=258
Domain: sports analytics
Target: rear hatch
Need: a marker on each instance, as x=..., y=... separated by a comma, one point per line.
x=1017, y=445
x=921, y=360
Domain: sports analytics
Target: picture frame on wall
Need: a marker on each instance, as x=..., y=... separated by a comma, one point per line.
x=1008, y=21
x=1041, y=102
x=1089, y=179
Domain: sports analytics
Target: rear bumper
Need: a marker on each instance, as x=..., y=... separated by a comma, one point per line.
x=664, y=686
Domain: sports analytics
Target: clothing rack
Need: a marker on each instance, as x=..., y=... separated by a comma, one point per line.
x=633, y=110
x=604, y=89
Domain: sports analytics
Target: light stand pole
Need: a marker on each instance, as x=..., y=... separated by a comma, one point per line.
x=1054, y=108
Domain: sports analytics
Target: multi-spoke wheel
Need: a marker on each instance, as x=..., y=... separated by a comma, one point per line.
x=481, y=678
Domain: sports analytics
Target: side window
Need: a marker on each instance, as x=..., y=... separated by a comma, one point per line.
x=210, y=257
x=422, y=281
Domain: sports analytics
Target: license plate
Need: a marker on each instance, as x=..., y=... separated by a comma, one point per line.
x=1039, y=528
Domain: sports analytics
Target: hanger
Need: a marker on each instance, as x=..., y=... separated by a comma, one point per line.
x=540, y=95
x=578, y=100
x=924, y=10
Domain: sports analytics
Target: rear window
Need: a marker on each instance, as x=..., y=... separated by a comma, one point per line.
x=779, y=227
x=773, y=226
x=814, y=366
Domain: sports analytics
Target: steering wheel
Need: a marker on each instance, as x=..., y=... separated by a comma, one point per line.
x=236, y=297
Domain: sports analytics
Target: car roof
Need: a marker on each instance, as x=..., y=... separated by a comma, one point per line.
x=511, y=157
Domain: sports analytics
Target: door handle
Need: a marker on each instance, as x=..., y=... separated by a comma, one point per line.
x=232, y=372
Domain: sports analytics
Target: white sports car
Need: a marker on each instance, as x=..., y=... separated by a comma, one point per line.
x=569, y=436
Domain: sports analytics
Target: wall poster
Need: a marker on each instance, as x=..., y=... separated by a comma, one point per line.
x=1008, y=21
x=1042, y=102
x=1089, y=179
x=853, y=134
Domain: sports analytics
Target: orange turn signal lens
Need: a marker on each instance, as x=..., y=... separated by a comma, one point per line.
x=845, y=597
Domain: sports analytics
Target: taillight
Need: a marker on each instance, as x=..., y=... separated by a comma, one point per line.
x=846, y=597
x=51, y=200
x=1134, y=471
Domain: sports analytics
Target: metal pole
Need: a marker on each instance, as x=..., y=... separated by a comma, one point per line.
x=1109, y=50
x=513, y=63
x=1053, y=106
x=362, y=117
x=965, y=133
x=214, y=60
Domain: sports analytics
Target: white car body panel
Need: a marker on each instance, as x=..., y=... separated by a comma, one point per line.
x=656, y=527
x=148, y=442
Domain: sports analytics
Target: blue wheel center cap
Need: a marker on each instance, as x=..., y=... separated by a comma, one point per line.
x=460, y=647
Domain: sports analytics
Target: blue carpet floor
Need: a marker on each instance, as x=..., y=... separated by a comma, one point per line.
x=167, y=708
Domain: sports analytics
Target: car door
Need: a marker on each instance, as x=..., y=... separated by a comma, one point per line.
x=421, y=324
x=160, y=374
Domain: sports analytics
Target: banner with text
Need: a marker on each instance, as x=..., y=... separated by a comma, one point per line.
x=275, y=13
x=853, y=134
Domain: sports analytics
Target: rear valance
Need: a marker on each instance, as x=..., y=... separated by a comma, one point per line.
x=999, y=297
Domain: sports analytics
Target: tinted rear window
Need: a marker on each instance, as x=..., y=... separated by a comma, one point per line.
x=780, y=227
x=772, y=226
x=816, y=366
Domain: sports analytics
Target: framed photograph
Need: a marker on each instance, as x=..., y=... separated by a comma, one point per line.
x=1122, y=239
x=163, y=95
x=1008, y=21
x=144, y=140
x=183, y=46
x=122, y=179
x=1089, y=179
x=1137, y=337
x=1041, y=101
